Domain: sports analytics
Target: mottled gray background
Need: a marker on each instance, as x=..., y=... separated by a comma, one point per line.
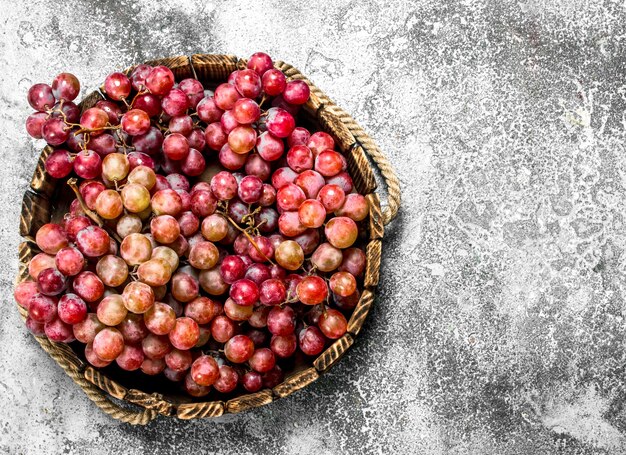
x=499, y=325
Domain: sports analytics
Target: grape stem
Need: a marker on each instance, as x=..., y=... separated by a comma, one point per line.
x=91, y=130
x=249, y=237
x=72, y=184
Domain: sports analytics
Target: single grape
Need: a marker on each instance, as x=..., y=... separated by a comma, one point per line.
x=260, y=62
x=212, y=282
x=54, y=131
x=279, y=122
x=227, y=382
x=193, y=89
x=41, y=97
x=312, y=290
x=111, y=310
x=136, y=249
x=133, y=329
x=108, y=344
x=135, y=197
x=87, y=164
x=69, y=261
x=160, y=319
x=311, y=183
x=244, y=292
x=205, y=371
x=175, y=102
x=65, y=86
x=343, y=284
x=341, y=232
x=289, y=255
x=284, y=346
x=138, y=297
x=273, y=82
x=239, y=349
x=160, y=80
x=94, y=120
x=312, y=213
x=242, y=139
x=166, y=202
x=131, y=358
x=332, y=197
x=117, y=86
x=58, y=331
x=42, y=308
x=296, y=92
x=88, y=286
x=281, y=321
x=248, y=83
x=222, y=328
x=250, y=189
x=311, y=340
x=149, y=103
x=283, y=176
x=208, y=111
x=51, y=282
x=135, y=122
x=152, y=367
x=326, y=257
x=109, y=204
x=155, y=272
x=329, y=163
x=299, y=136
x=333, y=324
x=138, y=76
x=34, y=122
x=51, y=238
x=272, y=292
x=226, y=95
x=252, y=381
x=184, y=287
x=320, y=141
x=156, y=347
x=185, y=333
x=86, y=331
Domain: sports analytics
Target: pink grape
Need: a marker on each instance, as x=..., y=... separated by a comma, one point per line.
x=280, y=122
x=296, y=92
x=160, y=80
x=42, y=308
x=273, y=82
x=108, y=344
x=260, y=62
x=88, y=286
x=65, y=86
x=117, y=86
x=72, y=309
x=248, y=83
x=333, y=324
x=41, y=97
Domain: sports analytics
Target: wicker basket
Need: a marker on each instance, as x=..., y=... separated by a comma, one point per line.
x=44, y=199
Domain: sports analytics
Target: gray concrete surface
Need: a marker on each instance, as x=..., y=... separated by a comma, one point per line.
x=499, y=326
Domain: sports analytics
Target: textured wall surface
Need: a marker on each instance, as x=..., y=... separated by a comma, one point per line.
x=499, y=325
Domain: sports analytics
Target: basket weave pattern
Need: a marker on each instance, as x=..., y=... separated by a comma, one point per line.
x=141, y=407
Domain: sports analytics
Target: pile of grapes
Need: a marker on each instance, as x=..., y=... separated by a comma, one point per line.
x=211, y=239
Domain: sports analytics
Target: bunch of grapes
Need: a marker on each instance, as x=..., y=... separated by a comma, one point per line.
x=213, y=275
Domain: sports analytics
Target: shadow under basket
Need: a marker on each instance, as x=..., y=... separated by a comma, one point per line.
x=125, y=396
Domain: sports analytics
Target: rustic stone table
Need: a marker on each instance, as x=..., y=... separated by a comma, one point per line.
x=499, y=324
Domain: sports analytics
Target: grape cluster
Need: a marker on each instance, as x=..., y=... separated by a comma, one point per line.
x=211, y=239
